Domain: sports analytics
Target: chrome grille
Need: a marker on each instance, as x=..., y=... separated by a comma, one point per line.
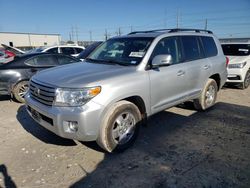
x=42, y=93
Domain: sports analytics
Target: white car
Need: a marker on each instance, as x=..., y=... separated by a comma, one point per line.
x=238, y=54
x=65, y=49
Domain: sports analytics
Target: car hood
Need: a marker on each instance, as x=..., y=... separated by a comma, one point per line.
x=78, y=75
x=237, y=59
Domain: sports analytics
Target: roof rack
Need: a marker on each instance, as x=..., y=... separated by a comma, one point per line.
x=173, y=30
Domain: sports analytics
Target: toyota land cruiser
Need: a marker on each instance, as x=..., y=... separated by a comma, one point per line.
x=124, y=81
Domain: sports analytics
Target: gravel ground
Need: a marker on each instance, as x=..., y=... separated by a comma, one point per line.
x=178, y=148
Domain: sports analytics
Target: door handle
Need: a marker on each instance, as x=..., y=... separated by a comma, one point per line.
x=206, y=67
x=180, y=73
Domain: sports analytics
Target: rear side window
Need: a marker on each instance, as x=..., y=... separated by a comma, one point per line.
x=53, y=50
x=191, y=48
x=209, y=46
x=78, y=50
x=66, y=60
x=68, y=50
x=42, y=60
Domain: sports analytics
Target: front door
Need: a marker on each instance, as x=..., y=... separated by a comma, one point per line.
x=168, y=84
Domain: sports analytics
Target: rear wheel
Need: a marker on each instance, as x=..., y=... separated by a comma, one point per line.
x=246, y=82
x=120, y=127
x=208, y=96
x=20, y=90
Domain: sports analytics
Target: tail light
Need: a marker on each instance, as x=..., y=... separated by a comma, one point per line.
x=227, y=61
x=9, y=54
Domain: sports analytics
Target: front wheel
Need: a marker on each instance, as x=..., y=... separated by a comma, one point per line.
x=208, y=96
x=120, y=127
x=246, y=82
x=20, y=90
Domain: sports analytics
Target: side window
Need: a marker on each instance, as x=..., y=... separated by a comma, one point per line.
x=68, y=50
x=66, y=60
x=209, y=46
x=53, y=50
x=171, y=46
x=191, y=48
x=41, y=60
x=78, y=50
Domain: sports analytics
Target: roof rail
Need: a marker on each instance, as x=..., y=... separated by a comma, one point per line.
x=172, y=31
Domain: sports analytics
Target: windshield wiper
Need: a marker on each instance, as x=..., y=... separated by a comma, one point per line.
x=107, y=61
x=116, y=62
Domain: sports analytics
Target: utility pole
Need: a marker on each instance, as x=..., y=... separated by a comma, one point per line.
x=131, y=28
x=90, y=35
x=206, y=24
x=106, y=34
x=177, y=19
x=119, y=31
x=76, y=30
x=72, y=33
x=70, y=36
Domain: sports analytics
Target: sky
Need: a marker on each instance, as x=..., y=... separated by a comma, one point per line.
x=90, y=19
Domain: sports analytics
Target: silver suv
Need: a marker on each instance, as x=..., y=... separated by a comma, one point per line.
x=124, y=81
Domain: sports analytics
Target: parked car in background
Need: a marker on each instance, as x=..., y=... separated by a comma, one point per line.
x=14, y=76
x=126, y=80
x=6, y=56
x=65, y=49
x=238, y=68
x=85, y=53
x=12, y=49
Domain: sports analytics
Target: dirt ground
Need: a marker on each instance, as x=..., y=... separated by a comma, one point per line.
x=178, y=148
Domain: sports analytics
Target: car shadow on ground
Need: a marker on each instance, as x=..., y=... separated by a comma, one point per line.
x=38, y=131
x=205, y=149
x=5, y=98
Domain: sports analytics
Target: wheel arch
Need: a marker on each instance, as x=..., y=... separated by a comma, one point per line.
x=217, y=79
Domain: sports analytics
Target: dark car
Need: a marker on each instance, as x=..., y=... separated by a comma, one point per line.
x=85, y=53
x=14, y=76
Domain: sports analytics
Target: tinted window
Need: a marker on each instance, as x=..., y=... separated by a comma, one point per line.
x=169, y=46
x=66, y=60
x=209, y=46
x=68, y=50
x=78, y=50
x=53, y=50
x=191, y=48
x=41, y=60
x=236, y=49
x=88, y=50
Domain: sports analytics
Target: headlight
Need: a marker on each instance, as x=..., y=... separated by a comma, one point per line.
x=75, y=97
x=237, y=66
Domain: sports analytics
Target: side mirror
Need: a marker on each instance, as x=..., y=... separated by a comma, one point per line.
x=162, y=60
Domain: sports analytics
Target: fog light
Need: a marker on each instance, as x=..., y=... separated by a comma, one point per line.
x=70, y=126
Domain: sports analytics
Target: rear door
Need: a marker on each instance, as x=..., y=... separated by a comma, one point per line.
x=197, y=66
x=168, y=85
x=40, y=62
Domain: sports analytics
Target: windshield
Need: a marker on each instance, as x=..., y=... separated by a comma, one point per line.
x=236, y=49
x=128, y=51
x=36, y=50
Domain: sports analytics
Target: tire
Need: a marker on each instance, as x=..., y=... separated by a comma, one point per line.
x=246, y=82
x=120, y=127
x=20, y=90
x=208, y=96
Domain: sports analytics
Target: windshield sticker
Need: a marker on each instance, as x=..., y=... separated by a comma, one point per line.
x=136, y=54
x=243, y=50
x=133, y=62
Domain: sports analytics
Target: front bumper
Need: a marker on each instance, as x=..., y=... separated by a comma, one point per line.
x=236, y=75
x=88, y=118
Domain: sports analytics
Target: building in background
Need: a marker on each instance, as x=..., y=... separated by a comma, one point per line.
x=27, y=41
